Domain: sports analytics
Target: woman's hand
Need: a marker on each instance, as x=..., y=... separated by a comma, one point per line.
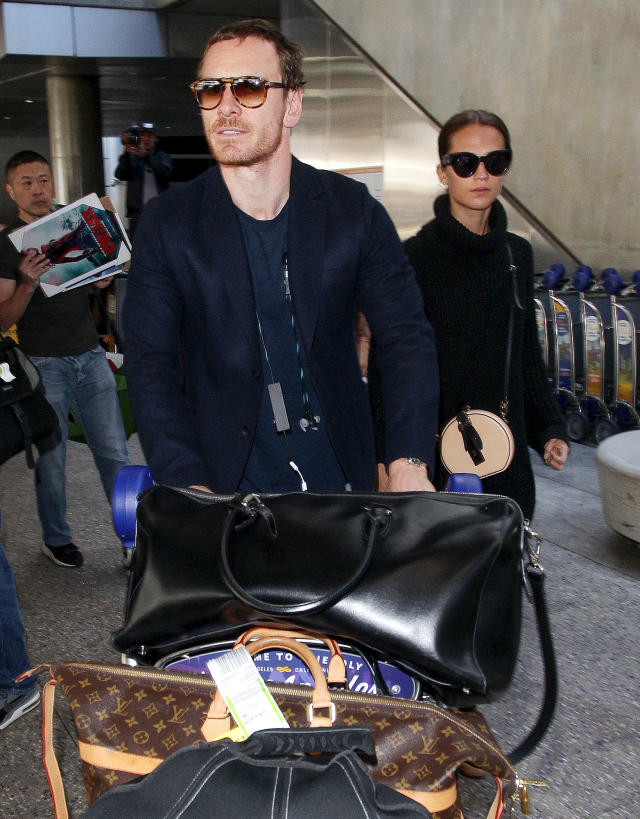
x=556, y=452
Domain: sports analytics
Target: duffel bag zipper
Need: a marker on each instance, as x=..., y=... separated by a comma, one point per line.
x=337, y=695
x=197, y=681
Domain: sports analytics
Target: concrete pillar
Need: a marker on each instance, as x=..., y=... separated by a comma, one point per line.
x=75, y=136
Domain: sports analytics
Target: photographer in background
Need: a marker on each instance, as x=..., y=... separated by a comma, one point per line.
x=145, y=170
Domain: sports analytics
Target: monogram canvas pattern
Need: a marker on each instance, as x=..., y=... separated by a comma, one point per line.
x=146, y=714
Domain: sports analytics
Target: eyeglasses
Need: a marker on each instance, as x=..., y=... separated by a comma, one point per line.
x=251, y=92
x=466, y=164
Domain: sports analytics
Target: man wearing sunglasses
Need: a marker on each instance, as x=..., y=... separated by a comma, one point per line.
x=241, y=361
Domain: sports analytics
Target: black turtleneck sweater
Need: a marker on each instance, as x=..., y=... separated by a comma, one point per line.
x=468, y=290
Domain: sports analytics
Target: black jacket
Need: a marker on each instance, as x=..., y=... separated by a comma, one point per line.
x=467, y=290
x=190, y=288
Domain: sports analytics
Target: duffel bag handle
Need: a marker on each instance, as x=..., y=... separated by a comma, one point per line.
x=336, y=670
x=277, y=742
x=240, y=515
x=218, y=720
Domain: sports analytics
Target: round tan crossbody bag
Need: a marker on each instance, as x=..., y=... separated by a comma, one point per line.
x=478, y=441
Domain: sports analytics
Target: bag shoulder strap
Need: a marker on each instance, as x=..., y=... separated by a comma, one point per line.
x=49, y=758
x=25, y=426
x=515, y=302
x=535, y=576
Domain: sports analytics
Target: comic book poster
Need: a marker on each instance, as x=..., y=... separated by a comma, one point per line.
x=84, y=242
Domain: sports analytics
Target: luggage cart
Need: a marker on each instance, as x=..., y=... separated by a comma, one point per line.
x=130, y=483
x=594, y=408
x=624, y=404
x=564, y=356
x=541, y=325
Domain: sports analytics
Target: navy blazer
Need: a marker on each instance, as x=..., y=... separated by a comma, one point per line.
x=193, y=359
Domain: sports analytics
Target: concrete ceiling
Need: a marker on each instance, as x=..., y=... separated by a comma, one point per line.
x=148, y=89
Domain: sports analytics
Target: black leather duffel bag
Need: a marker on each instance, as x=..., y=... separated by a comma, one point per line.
x=429, y=581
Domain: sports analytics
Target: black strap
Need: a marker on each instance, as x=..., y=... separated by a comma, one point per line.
x=515, y=302
x=470, y=438
x=535, y=576
x=26, y=432
x=308, y=412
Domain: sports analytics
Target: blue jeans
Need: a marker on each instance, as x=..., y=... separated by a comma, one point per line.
x=13, y=652
x=85, y=384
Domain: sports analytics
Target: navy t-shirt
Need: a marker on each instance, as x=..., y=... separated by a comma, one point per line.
x=268, y=468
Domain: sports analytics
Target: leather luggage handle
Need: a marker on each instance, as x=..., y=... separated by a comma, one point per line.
x=336, y=670
x=378, y=516
x=218, y=720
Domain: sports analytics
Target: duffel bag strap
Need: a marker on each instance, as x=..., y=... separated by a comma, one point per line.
x=49, y=758
x=535, y=576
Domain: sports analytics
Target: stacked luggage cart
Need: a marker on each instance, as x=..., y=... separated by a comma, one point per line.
x=588, y=329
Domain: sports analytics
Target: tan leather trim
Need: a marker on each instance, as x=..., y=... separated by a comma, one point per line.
x=112, y=760
x=434, y=801
x=215, y=725
x=49, y=759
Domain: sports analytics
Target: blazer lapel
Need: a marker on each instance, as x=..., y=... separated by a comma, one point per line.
x=228, y=255
x=306, y=250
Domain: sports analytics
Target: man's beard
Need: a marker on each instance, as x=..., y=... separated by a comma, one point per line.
x=226, y=153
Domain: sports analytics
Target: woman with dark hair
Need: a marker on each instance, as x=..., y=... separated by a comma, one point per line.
x=462, y=263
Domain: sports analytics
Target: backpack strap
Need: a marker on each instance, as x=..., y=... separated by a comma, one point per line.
x=26, y=433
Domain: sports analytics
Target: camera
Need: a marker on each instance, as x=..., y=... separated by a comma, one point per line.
x=132, y=135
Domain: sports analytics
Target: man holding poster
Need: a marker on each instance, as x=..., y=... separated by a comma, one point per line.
x=59, y=335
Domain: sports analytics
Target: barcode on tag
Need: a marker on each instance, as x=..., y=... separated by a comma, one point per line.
x=232, y=661
x=245, y=693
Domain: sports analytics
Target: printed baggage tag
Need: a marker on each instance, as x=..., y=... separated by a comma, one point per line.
x=245, y=693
